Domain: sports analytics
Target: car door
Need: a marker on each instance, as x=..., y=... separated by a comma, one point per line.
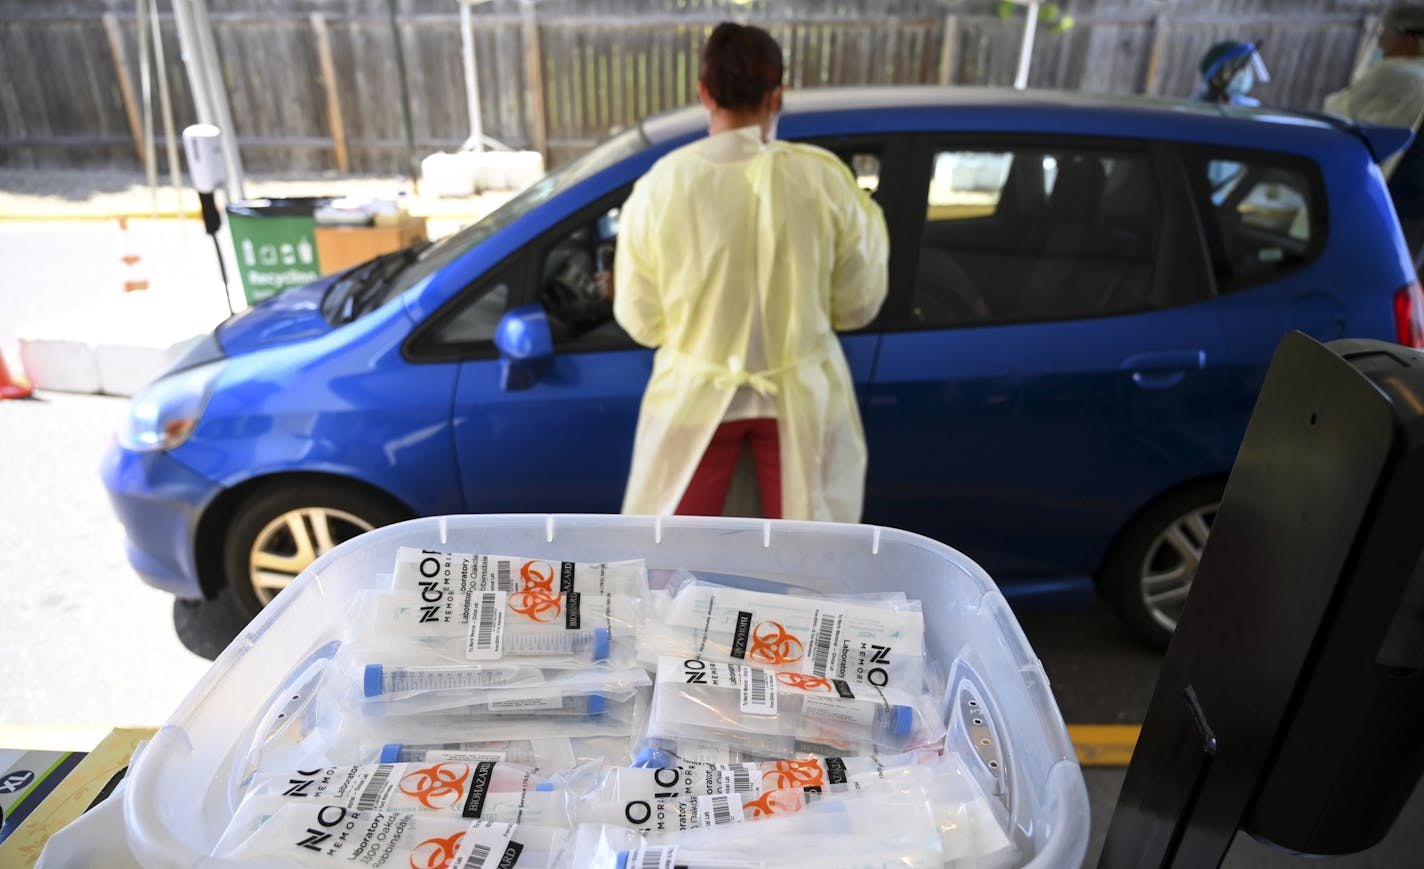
x=1264, y=219
x=1050, y=365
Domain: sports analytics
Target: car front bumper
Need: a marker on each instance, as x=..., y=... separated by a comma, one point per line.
x=158, y=501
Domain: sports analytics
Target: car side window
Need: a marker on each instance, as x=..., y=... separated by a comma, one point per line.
x=1263, y=215
x=1037, y=233
x=576, y=284
x=475, y=320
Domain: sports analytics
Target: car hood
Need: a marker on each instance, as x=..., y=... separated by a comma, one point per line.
x=294, y=315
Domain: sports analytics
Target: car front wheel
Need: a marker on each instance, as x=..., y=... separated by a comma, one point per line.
x=283, y=528
x=1149, y=573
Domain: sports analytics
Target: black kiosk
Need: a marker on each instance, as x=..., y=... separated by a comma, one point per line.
x=1290, y=704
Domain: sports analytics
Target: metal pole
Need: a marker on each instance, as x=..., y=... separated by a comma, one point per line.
x=222, y=112
x=197, y=74
x=1026, y=49
x=472, y=80
x=404, y=96
x=165, y=103
x=145, y=78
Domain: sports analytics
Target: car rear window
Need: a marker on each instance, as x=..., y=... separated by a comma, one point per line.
x=1037, y=233
x=1264, y=214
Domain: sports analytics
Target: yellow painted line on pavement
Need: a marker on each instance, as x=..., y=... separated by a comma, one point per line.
x=1104, y=744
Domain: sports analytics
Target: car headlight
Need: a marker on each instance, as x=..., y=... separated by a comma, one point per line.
x=165, y=413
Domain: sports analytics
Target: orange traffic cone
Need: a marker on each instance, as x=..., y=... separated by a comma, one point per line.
x=134, y=273
x=12, y=387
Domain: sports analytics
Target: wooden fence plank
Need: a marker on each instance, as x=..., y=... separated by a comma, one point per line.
x=121, y=73
x=333, y=96
x=534, y=82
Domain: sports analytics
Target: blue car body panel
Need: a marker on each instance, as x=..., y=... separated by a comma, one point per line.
x=1027, y=445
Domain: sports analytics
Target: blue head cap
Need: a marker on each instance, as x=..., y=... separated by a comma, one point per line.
x=904, y=720
x=372, y=681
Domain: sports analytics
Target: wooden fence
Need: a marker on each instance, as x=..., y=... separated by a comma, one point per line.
x=313, y=87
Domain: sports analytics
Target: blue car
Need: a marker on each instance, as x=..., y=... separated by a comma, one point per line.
x=1085, y=293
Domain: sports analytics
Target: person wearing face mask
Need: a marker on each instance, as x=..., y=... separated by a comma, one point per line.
x=1229, y=70
x=1391, y=93
x=739, y=257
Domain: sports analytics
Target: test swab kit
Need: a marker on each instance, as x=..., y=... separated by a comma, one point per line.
x=472, y=692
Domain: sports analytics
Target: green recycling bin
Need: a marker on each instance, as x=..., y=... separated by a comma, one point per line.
x=275, y=244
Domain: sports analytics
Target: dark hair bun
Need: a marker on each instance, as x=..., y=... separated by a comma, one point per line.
x=740, y=66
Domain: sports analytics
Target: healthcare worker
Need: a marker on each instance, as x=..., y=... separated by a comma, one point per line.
x=1391, y=93
x=1229, y=70
x=738, y=257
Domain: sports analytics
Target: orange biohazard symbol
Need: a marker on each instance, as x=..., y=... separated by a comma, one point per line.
x=436, y=853
x=793, y=774
x=779, y=802
x=538, y=576
x=805, y=682
x=773, y=644
x=437, y=787
x=535, y=604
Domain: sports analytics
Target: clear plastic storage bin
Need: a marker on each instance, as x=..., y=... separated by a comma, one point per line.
x=1001, y=713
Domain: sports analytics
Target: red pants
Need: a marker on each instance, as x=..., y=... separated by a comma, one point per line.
x=707, y=492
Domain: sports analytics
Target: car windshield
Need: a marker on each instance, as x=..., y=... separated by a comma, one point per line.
x=440, y=254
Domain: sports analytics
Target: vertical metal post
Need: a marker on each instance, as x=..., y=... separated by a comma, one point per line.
x=165, y=102
x=472, y=79
x=145, y=78
x=209, y=91
x=404, y=95
x=1026, y=48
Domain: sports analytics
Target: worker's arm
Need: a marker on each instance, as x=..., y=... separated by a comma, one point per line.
x=861, y=274
x=637, y=302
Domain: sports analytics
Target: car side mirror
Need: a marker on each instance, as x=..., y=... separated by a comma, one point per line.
x=526, y=347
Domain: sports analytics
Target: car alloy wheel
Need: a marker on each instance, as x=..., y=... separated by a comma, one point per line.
x=292, y=541
x=1171, y=564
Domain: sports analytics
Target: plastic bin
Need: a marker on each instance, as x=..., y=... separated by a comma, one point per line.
x=182, y=788
x=275, y=244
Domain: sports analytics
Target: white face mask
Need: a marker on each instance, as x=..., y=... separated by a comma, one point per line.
x=771, y=127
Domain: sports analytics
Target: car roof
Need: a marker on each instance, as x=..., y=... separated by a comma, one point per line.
x=1147, y=116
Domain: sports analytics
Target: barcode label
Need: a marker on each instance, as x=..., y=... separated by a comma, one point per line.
x=372, y=795
x=503, y=581
x=653, y=857
x=719, y=809
x=825, y=638
x=486, y=639
x=741, y=779
x=486, y=845
x=758, y=691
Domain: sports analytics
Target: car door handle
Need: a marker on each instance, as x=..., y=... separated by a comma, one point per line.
x=1163, y=370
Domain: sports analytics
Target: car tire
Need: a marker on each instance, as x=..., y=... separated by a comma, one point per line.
x=1148, y=574
x=283, y=527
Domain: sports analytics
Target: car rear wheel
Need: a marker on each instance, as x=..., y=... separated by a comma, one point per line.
x=283, y=528
x=1148, y=576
